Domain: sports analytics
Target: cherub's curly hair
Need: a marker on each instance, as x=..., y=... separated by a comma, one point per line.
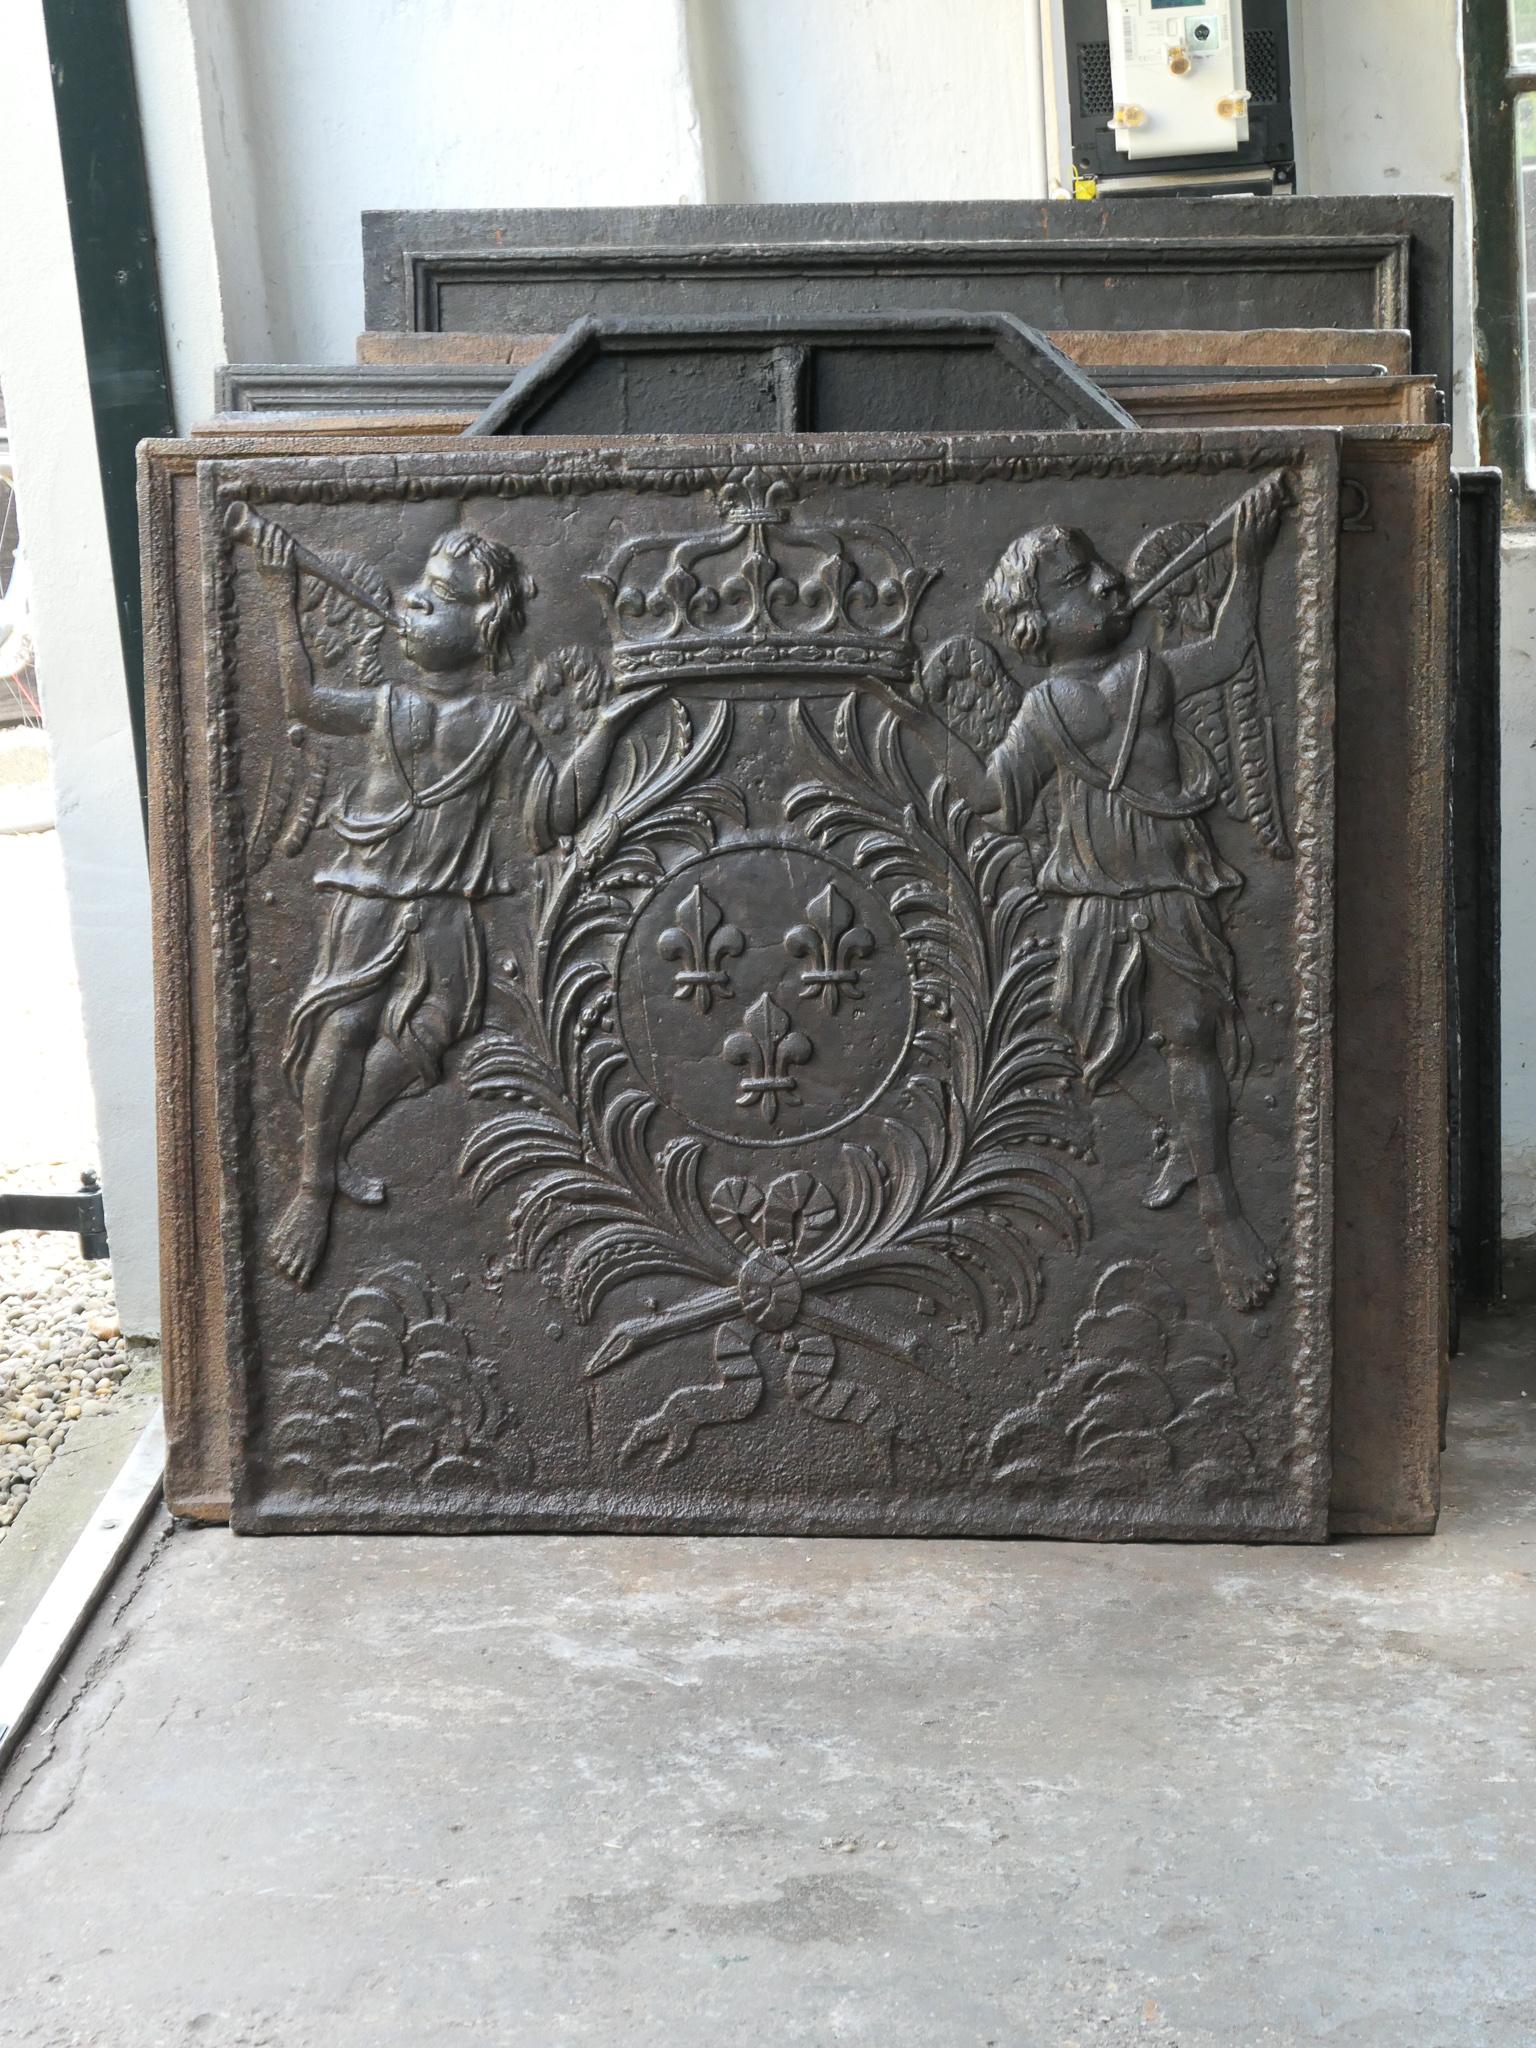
x=499, y=582
x=1012, y=594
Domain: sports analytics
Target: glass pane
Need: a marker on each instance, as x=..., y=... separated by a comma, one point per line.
x=1525, y=154
x=1522, y=33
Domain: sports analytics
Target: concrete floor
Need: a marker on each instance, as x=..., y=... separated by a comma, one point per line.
x=559, y=1792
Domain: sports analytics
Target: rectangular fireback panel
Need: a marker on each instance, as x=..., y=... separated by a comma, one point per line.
x=1475, y=835
x=1389, y=1330
x=769, y=1152
x=1201, y=263
x=1391, y=1185
x=457, y=392
x=1379, y=349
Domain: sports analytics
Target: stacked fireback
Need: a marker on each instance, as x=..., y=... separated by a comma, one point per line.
x=1254, y=394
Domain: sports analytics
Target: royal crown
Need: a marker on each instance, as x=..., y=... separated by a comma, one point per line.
x=762, y=592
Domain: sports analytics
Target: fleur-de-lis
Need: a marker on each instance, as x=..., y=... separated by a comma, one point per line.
x=834, y=945
x=767, y=1049
x=702, y=942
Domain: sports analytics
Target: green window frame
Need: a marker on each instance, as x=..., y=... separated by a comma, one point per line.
x=1499, y=40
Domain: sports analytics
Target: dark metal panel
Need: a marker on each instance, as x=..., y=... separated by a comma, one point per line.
x=1338, y=351
x=1389, y=1333
x=1391, y=1196
x=1183, y=394
x=1357, y=262
x=1389, y=1330
x=849, y=373
x=753, y=1365
x=1476, y=1139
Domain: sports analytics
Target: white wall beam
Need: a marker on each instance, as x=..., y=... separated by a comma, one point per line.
x=79, y=654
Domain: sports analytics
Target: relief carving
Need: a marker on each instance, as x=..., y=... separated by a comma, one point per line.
x=951, y=1202
x=417, y=835
x=702, y=943
x=777, y=1053
x=945, y=1208
x=391, y=1397
x=776, y=1227
x=787, y=1083
x=762, y=590
x=1153, y=706
x=833, y=945
x=1144, y=1396
x=768, y=1048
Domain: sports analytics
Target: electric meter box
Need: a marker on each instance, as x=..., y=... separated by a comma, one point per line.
x=1160, y=95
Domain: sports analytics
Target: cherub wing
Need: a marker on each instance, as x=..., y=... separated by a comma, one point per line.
x=1235, y=723
x=967, y=688
x=343, y=638
x=1234, y=720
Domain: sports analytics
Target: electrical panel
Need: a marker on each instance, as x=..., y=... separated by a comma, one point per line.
x=1179, y=78
x=1170, y=95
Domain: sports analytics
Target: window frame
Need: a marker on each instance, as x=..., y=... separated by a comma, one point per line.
x=1494, y=82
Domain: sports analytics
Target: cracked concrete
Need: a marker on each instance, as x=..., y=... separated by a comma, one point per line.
x=619, y=1793
x=68, y=1493
x=82, y=1703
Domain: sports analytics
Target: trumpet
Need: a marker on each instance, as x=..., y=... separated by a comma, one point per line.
x=1216, y=535
x=242, y=523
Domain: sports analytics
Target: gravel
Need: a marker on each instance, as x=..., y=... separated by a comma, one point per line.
x=62, y=1353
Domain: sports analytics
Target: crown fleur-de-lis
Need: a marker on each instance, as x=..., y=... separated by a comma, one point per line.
x=767, y=1048
x=834, y=945
x=769, y=589
x=701, y=941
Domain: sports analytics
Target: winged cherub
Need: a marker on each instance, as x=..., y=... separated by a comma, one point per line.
x=1102, y=754
x=414, y=835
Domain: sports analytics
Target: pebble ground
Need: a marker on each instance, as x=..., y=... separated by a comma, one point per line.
x=61, y=1350
x=60, y=1353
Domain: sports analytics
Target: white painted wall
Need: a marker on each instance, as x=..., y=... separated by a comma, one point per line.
x=79, y=655
x=311, y=112
x=172, y=69
x=306, y=114
x=869, y=99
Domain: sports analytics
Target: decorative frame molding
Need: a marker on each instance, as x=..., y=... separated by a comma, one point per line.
x=682, y=469
x=552, y=265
